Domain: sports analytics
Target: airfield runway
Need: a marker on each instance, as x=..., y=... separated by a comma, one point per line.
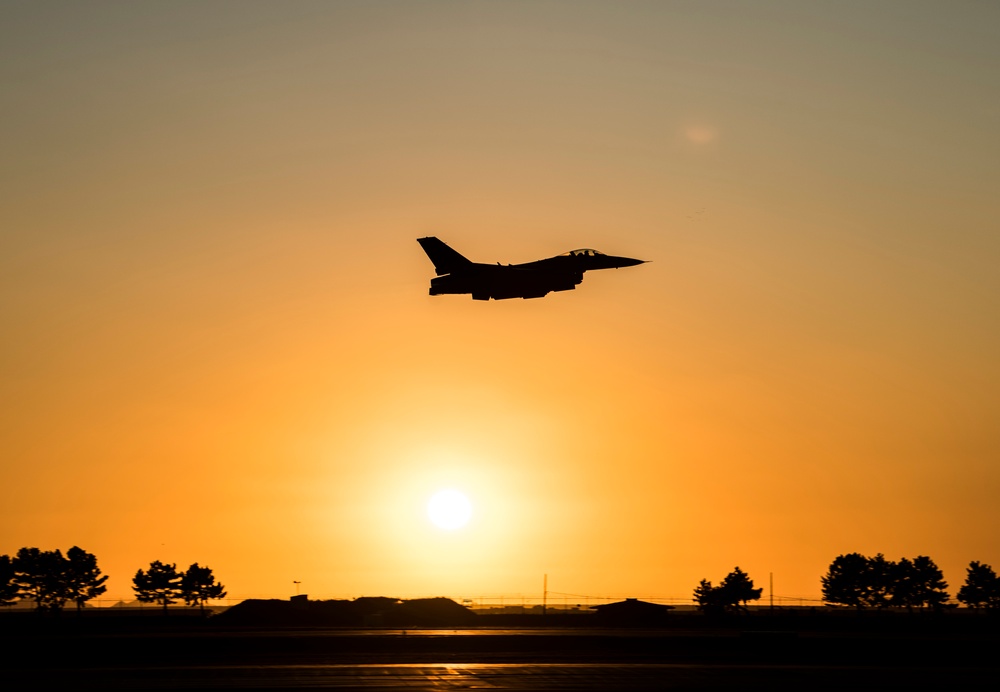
x=539, y=677
x=268, y=659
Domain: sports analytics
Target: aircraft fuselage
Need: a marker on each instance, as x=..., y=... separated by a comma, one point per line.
x=458, y=275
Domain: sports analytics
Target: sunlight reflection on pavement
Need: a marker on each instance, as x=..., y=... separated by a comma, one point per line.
x=513, y=676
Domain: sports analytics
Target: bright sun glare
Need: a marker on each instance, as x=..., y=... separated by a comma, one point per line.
x=449, y=509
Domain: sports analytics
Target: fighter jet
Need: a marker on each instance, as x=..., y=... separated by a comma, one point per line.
x=456, y=274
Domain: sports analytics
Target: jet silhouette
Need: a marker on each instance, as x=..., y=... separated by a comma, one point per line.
x=456, y=274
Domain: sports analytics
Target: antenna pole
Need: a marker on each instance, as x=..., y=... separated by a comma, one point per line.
x=545, y=593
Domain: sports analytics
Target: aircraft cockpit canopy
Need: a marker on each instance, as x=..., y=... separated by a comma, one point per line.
x=583, y=253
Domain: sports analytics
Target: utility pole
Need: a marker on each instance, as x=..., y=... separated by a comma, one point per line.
x=296, y=587
x=771, y=589
x=545, y=593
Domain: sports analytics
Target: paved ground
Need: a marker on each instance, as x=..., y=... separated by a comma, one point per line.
x=520, y=677
x=68, y=657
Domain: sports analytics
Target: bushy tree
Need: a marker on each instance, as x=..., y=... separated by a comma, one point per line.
x=9, y=588
x=861, y=582
x=844, y=582
x=930, y=589
x=905, y=591
x=198, y=585
x=874, y=582
x=159, y=584
x=40, y=576
x=708, y=597
x=981, y=588
x=738, y=589
x=732, y=593
x=879, y=584
x=84, y=580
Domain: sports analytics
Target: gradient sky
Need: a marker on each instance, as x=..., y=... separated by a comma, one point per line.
x=216, y=342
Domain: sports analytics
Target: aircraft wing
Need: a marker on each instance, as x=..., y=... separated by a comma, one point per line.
x=485, y=281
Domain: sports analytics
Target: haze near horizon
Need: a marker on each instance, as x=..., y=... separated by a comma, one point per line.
x=218, y=344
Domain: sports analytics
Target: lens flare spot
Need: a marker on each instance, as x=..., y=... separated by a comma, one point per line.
x=700, y=134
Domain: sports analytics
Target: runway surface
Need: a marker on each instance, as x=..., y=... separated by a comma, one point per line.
x=81, y=655
x=520, y=677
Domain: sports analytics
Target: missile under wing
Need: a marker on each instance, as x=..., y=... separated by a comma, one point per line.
x=457, y=274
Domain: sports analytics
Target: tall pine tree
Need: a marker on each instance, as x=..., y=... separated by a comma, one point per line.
x=9, y=588
x=84, y=580
x=981, y=588
x=159, y=584
x=198, y=585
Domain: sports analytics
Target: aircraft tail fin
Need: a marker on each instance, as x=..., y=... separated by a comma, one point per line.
x=444, y=258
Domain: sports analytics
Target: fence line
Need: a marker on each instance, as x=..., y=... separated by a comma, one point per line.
x=484, y=604
x=493, y=602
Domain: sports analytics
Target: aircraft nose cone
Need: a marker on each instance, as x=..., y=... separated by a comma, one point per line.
x=628, y=261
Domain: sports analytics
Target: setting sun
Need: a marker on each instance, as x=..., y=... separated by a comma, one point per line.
x=449, y=509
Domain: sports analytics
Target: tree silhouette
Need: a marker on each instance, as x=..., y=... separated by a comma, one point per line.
x=981, y=588
x=874, y=582
x=905, y=584
x=735, y=589
x=738, y=588
x=930, y=588
x=708, y=597
x=9, y=588
x=198, y=585
x=40, y=576
x=83, y=577
x=844, y=582
x=159, y=584
x=859, y=581
x=879, y=581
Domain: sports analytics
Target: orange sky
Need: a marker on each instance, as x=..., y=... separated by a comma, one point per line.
x=216, y=343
